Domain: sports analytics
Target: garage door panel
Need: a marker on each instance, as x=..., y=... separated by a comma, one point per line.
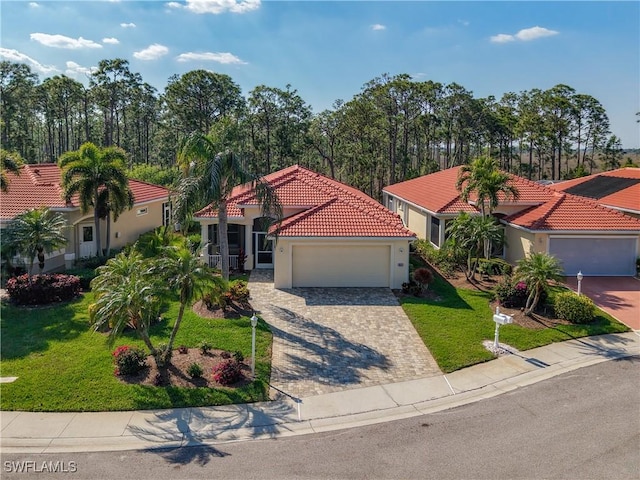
x=595, y=256
x=340, y=266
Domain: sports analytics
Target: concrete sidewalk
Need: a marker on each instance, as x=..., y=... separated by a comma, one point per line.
x=32, y=432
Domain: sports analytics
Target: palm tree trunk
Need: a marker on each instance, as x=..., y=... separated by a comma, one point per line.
x=531, y=304
x=96, y=220
x=108, y=246
x=223, y=238
x=176, y=326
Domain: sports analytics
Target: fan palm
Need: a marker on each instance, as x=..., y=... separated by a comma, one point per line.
x=36, y=232
x=483, y=178
x=209, y=177
x=537, y=270
x=99, y=178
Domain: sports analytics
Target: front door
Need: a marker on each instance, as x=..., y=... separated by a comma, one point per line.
x=264, y=250
x=87, y=241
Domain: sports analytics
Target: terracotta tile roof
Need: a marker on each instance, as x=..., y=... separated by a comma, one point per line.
x=623, y=194
x=566, y=212
x=39, y=185
x=332, y=209
x=543, y=207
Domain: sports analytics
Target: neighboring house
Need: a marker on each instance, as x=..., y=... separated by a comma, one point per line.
x=582, y=233
x=40, y=186
x=618, y=189
x=332, y=235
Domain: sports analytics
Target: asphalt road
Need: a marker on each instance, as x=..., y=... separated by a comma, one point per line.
x=581, y=425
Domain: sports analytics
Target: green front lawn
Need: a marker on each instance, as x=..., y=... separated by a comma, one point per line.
x=454, y=326
x=63, y=365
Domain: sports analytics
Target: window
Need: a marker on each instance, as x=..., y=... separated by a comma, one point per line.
x=435, y=231
x=166, y=214
x=234, y=236
x=391, y=206
x=142, y=211
x=87, y=234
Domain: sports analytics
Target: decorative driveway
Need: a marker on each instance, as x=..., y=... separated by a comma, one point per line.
x=618, y=296
x=331, y=339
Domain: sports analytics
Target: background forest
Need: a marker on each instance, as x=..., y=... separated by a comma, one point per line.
x=394, y=129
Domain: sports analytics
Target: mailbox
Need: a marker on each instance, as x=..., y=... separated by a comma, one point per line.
x=502, y=319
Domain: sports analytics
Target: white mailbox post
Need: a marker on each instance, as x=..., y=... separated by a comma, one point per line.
x=500, y=319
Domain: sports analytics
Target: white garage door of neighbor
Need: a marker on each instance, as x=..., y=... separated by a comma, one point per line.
x=340, y=266
x=595, y=256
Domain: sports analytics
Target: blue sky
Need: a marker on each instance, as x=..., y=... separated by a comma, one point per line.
x=329, y=50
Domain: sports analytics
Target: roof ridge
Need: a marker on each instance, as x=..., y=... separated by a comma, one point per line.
x=298, y=217
x=548, y=210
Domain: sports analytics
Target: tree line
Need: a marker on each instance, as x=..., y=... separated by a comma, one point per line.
x=394, y=129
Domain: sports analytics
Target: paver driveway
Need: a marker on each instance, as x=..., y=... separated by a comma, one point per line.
x=331, y=339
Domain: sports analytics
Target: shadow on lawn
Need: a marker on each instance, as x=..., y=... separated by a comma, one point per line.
x=26, y=330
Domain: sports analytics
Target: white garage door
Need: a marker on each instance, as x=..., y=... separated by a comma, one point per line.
x=595, y=256
x=340, y=266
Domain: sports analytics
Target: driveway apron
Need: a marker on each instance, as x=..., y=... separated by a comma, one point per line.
x=332, y=339
x=618, y=296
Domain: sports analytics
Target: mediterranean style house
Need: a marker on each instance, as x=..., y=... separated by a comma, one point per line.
x=331, y=234
x=590, y=224
x=40, y=186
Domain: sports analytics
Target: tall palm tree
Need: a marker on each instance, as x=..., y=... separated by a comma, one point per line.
x=91, y=170
x=187, y=276
x=113, y=199
x=36, y=232
x=209, y=177
x=9, y=162
x=537, y=270
x=483, y=178
x=128, y=293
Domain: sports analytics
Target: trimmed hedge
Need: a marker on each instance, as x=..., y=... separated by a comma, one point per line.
x=43, y=289
x=575, y=308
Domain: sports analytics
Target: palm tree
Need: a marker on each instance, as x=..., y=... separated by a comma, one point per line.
x=190, y=278
x=209, y=177
x=36, y=232
x=114, y=199
x=483, y=178
x=9, y=162
x=128, y=293
x=91, y=170
x=537, y=270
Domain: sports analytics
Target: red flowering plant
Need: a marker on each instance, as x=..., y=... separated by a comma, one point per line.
x=227, y=372
x=129, y=360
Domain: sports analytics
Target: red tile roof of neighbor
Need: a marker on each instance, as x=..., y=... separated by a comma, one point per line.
x=623, y=194
x=39, y=185
x=543, y=207
x=331, y=208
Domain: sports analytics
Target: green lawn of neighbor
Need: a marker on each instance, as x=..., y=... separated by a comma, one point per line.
x=454, y=325
x=62, y=365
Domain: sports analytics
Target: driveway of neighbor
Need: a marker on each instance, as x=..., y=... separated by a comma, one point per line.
x=618, y=296
x=331, y=339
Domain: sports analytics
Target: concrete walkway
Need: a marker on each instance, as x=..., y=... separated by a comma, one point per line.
x=32, y=432
x=332, y=339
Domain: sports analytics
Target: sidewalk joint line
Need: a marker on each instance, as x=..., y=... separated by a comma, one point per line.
x=450, y=387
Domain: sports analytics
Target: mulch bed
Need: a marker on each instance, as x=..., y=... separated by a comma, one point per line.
x=176, y=374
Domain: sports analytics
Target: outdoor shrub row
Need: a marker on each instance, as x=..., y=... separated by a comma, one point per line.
x=129, y=360
x=494, y=266
x=573, y=307
x=43, y=289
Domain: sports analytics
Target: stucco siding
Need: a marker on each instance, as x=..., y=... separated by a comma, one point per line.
x=519, y=244
x=417, y=222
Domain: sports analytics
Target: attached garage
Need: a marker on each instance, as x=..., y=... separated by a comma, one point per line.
x=345, y=265
x=596, y=256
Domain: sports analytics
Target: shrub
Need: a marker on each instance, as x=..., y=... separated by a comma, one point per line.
x=85, y=275
x=423, y=276
x=43, y=289
x=511, y=294
x=238, y=356
x=227, y=372
x=183, y=349
x=573, y=307
x=494, y=266
x=129, y=360
x=205, y=347
x=239, y=291
x=195, y=370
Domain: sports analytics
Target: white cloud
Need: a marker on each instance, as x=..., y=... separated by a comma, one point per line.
x=16, y=56
x=219, y=57
x=532, y=33
x=152, y=52
x=524, y=35
x=112, y=41
x=128, y=25
x=33, y=5
x=377, y=27
x=61, y=41
x=74, y=69
x=217, y=6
